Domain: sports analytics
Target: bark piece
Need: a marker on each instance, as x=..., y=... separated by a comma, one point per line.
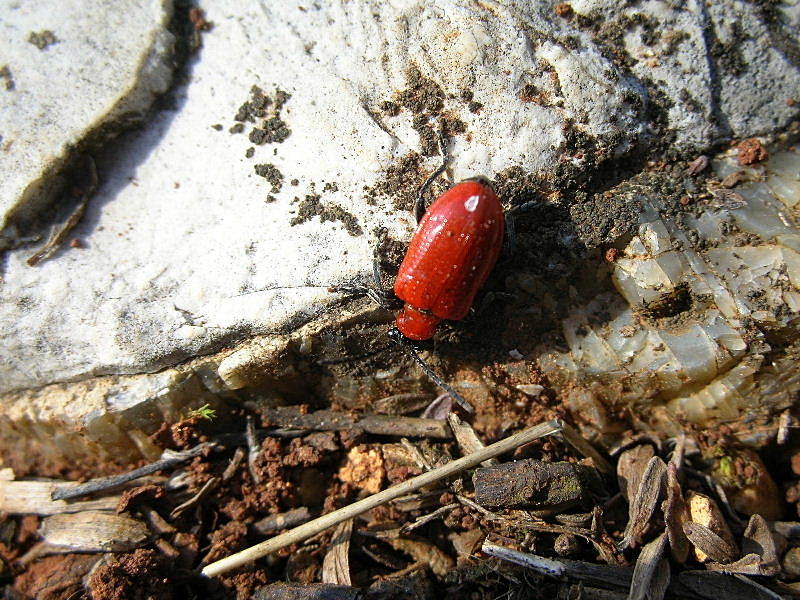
x=533, y=483
x=305, y=591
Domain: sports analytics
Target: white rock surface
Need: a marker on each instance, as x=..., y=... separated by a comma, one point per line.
x=102, y=65
x=183, y=253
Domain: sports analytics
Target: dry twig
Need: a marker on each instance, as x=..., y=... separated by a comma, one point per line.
x=102, y=484
x=322, y=523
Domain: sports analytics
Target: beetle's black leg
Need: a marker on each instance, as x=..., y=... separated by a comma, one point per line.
x=419, y=205
x=379, y=295
x=395, y=335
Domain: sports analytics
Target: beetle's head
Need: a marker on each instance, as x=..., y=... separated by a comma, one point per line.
x=397, y=337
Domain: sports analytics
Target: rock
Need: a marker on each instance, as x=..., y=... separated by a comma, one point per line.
x=201, y=241
x=72, y=74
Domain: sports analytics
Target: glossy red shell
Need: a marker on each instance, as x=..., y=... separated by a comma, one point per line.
x=449, y=259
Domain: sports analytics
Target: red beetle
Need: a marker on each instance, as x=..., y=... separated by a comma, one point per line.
x=450, y=257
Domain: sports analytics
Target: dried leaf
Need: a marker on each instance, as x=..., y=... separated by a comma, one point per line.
x=631, y=466
x=760, y=549
x=439, y=408
x=704, y=511
x=424, y=552
x=336, y=566
x=710, y=544
x=645, y=583
x=644, y=505
x=676, y=514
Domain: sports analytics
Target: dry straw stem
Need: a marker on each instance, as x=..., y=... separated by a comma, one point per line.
x=322, y=523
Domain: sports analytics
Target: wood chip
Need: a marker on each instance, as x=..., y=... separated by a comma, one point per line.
x=650, y=490
x=94, y=531
x=34, y=497
x=233, y=465
x=468, y=441
x=336, y=565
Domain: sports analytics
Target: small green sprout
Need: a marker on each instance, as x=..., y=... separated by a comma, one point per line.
x=205, y=411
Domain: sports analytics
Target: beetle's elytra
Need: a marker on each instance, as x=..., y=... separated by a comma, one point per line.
x=449, y=259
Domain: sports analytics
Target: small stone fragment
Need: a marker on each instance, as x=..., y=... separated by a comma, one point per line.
x=364, y=469
x=752, y=151
x=698, y=165
x=564, y=10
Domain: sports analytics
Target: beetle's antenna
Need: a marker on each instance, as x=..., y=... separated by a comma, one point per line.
x=419, y=205
x=438, y=380
x=395, y=335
